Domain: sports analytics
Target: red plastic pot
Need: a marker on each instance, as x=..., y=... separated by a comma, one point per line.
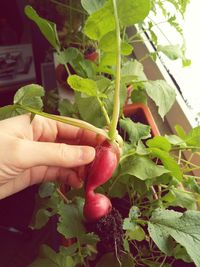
x=139, y=112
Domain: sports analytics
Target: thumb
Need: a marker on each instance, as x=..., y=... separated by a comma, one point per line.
x=32, y=153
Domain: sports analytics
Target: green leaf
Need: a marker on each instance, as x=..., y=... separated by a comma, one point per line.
x=92, y=5
x=47, y=257
x=100, y=22
x=184, y=228
x=141, y=167
x=168, y=162
x=71, y=219
x=132, y=12
x=180, y=131
x=68, y=55
x=180, y=252
x=86, y=86
x=47, y=28
x=10, y=111
x=173, y=52
x=46, y=189
x=139, y=96
x=159, y=142
x=132, y=70
x=102, y=83
x=191, y=184
x=136, y=131
x=30, y=96
x=109, y=259
x=66, y=108
x=178, y=197
x=41, y=218
x=90, y=110
x=162, y=94
x=136, y=234
x=108, y=59
x=88, y=239
x=70, y=250
x=108, y=43
x=175, y=140
x=193, y=138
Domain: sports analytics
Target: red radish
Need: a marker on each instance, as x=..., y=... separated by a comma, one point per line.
x=102, y=167
x=96, y=206
x=100, y=171
x=92, y=56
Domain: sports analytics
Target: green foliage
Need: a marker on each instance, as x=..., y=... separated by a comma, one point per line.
x=132, y=12
x=151, y=177
x=86, y=86
x=71, y=219
x=66, y=108
x=172, y=51
x=110, y=259
x=108, y=44
x=159, y=142
x=180, y=198
x=133, y=230
x=92, y=6
x=46, y=189
x=168, y=162
x=141, y=167
x=47, y=28
x=29, y=95
x=166, y=226
x=100, y=22
x=10, y=111
x=136, y=131
x=132, y=71
x=68, y=55
x=193, y=138
x=162, y=94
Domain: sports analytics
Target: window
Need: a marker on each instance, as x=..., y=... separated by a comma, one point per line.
x=185, y=79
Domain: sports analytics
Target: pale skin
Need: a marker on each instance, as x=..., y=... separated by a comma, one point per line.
x=43, y=150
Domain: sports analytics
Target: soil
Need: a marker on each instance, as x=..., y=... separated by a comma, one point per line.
x=109, y=229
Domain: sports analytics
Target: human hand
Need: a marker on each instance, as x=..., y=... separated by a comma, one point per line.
x=43, y=150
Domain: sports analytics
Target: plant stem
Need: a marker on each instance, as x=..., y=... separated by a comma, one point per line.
x=163, y=261
x=67, y=69
x=116, y=107
x=185, y=148
x=67, y=120
x=161, y=31
x=144, y=57
x=104, y=111
x=62, y=195
x=154, y=193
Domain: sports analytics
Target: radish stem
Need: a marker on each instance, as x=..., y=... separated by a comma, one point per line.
x=66, y=120
x=116, y=107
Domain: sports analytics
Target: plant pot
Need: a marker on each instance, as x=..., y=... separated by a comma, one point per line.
x=139, y=112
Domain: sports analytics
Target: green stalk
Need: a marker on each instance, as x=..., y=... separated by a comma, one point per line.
x=66, y=120
x=104, y=111
x=116, y=107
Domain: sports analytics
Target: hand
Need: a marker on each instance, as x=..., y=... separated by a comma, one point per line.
x=43, y=150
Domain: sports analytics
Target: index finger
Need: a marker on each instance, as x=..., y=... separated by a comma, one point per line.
x=52, y=130
x=78, y=136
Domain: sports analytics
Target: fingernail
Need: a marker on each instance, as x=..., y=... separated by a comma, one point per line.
x=87, y=154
